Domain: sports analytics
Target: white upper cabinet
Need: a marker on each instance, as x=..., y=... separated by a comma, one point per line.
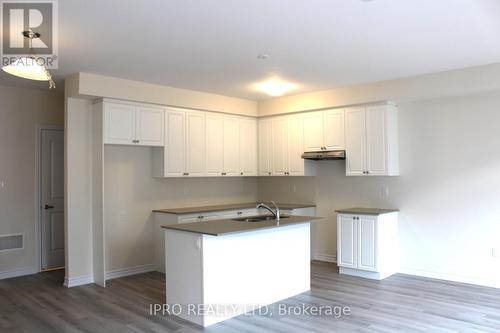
x=295, y=143
x=133, y=125
x=248, y=147
x=195, y=144
x=149, y=126
x=280, y=146
x=313, y=131
x=214, y=145
x=231, y=146
x=334, y=132
x=175, y=145
x=355, y=141
x=372, y=141
x=265, y=147
x=324, y=130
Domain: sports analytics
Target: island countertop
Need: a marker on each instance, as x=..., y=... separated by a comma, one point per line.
x=215, y=208
x=228, y=226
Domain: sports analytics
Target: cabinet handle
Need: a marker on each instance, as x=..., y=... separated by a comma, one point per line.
x=368, y=172
x=241, y=173
x=239, y=213
x=269, y=173
x=201, y=217
x=135, y=141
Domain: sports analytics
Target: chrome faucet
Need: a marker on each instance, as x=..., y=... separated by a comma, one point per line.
x=276, y=211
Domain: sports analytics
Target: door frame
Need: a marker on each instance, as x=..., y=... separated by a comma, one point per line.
x=39, y=128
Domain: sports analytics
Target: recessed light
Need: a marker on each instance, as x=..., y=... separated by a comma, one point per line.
x=263, y=56
x=275, y=87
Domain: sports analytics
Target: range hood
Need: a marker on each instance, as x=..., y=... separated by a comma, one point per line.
x=324, y=155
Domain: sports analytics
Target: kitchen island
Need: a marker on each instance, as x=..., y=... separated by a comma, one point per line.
x=219, y=269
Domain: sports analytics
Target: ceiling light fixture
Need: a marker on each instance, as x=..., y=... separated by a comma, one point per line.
x=275, y=87
x=30, y=67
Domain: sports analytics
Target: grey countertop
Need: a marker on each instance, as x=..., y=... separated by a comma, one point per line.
x=214, y=208
x=366, y=211
x=228, y=226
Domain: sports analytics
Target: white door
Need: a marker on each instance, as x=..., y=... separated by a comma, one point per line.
x=149, y=126
x=248, y=147
x=313, y=131
x=214, y=154
x=119, y=124
x=376, y=145
x=231, y=146
x=265, y=147
x=295, y=146
x=334, y=129
x=355, y=141
x=347, y=241
x=52, y=198
x=195, y=144
x=175, y=145
x=279, y=146
x=366, y=243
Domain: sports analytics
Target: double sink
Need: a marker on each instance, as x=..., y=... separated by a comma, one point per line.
x=259, y=218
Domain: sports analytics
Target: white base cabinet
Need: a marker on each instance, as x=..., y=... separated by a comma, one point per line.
x=367, y=245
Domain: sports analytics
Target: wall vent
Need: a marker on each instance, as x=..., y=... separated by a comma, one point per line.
x=11, y=242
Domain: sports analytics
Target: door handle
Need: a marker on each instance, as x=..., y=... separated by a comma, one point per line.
x=48, y=207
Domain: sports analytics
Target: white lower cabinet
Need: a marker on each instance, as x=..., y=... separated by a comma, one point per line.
x=367, y=245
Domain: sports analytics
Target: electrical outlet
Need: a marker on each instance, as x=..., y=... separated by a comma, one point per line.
x=384, y=191
x=3, y=184
x=494, y=252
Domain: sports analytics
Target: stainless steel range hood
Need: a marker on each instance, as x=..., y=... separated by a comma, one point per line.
x=324, y=155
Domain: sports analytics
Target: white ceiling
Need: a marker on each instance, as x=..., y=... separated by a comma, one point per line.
x=213, y=45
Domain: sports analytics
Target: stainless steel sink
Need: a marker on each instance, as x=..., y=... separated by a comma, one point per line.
x=258, y=218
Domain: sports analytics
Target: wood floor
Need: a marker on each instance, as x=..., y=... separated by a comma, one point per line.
x=401, y=303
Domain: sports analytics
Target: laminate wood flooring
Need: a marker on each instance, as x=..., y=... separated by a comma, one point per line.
x=39, y=303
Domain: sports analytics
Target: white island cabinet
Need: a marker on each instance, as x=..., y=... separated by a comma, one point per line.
x=367, y=242
x=220, y=269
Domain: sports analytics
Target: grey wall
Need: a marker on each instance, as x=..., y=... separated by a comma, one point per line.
x=20, y=111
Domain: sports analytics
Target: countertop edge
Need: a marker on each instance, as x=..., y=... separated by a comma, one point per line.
x=216, y=208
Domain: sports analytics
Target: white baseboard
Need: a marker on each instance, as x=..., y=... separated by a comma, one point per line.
x=450, y=277
x=130, y=271
x=78, y=280
x=325, y=257
x=18, y=272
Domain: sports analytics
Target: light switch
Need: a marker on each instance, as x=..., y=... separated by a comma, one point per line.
x=494, y=252
x=384, y=191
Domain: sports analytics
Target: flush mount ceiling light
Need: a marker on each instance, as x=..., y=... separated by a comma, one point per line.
x=30, y=67
x=275, y=87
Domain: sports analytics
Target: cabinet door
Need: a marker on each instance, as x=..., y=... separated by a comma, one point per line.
x=248, y=147
x=295, y=146
x=366, y=243
x=214, y=145
x=195, y=144
x=279, y=146
x=347, y=241
x=149, y=126
x=376, y=145
x=231, y=146
x=334, y=129
x=313, y=131
x=265, y=147
x=175, y=146
x=355, y=141
x=119, y=124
